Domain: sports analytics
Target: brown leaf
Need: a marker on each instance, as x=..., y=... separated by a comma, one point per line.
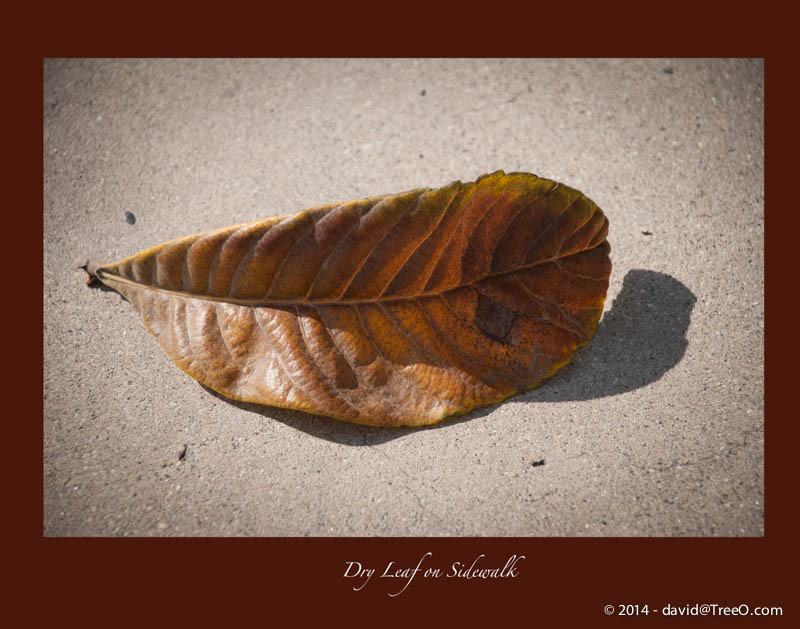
x=390, y=311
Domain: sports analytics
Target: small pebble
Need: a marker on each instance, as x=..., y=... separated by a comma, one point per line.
x=130, y=218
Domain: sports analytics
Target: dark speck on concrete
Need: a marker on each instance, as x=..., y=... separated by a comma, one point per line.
x=422, y=93
x=130, y=218
x=538, y=463
x=669, y=70
x=182, y=455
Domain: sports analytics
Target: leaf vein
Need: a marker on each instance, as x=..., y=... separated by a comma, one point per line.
x=577, y=229
x=320, y=374
x=222, y=333
x=421, y=350
x=385, y=358
x=400, y=215
x=338, y=349
x=440, y=251
x=547, y=229
x=336, y=300
x=560, y=307
x=419, y=244
x=296, y=242
x=516, y=215
x=300, y=391
x=454, y=348
x=333, y=250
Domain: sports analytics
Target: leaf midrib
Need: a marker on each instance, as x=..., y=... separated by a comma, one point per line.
x=261, y=303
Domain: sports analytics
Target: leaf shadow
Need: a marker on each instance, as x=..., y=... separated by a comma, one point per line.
x=639, y=339
x=97, y=285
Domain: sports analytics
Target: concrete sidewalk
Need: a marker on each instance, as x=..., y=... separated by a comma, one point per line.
x=656, y=428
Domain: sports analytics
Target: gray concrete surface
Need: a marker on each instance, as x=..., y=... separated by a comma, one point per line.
x=655, y=429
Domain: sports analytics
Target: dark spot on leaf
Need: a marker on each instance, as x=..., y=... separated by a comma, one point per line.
x=538, y=463
x=130, y=218
x=493, y=319
x=669, y=70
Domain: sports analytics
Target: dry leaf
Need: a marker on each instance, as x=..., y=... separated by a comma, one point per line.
x=397, y=310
